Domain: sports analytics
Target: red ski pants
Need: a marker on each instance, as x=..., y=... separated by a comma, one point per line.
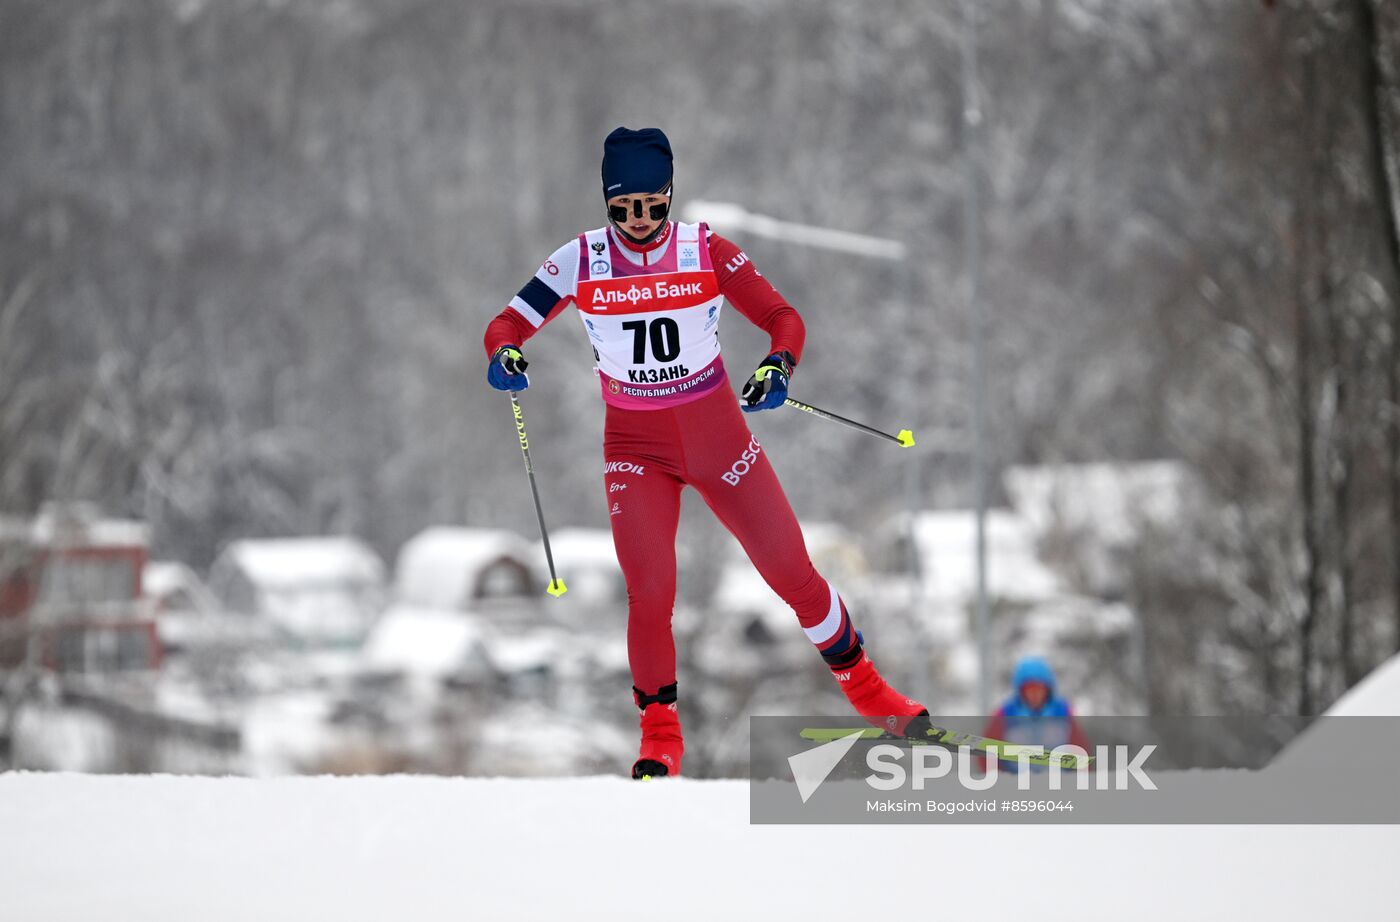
x=650, y=456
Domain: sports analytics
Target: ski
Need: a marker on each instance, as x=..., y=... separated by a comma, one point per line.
x=950, y=738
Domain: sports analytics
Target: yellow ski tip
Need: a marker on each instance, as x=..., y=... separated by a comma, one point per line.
x=557, y=588
x=906, y=438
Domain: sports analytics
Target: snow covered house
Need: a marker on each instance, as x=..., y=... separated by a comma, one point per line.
x=428, y=644
x=70, y=592
x=458, y=569
x=467, y=635
x=455, y=590
x=316, y=592
x=172, y=587
x=189, y=619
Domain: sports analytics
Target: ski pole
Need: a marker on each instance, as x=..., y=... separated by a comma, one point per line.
x=905, y=439
x=556, y=585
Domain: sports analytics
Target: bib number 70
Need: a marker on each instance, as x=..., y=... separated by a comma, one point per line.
x=664, y=335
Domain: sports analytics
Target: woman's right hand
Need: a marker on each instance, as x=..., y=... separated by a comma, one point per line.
x=507, y=370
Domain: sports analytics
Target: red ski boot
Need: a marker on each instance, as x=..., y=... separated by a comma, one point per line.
x=662, y=745
x=876, y=701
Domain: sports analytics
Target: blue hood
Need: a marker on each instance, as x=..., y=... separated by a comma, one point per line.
x=1033, y=669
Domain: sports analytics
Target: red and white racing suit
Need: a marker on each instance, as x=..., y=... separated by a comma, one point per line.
x=652, y=314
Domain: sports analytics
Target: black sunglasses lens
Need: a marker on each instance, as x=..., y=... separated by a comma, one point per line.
x=619, y=213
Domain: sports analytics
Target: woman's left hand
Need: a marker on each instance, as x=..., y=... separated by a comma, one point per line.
x=768, y=387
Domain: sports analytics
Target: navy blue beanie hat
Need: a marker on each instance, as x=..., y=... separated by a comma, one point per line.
x=636, y=162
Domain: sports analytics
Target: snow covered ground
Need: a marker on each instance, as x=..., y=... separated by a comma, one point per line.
x=157, y=848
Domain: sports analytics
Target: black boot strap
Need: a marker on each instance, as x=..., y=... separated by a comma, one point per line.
x=666, y=694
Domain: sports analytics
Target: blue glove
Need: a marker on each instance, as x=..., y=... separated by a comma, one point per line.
x=769, y=385
x=507, y=371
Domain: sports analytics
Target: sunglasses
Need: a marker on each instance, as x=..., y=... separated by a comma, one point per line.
x=656, y=212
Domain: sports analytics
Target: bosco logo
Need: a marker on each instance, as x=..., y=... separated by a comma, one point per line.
x=743, y=465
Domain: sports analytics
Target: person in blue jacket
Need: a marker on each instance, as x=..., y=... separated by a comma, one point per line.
x=1035, y=714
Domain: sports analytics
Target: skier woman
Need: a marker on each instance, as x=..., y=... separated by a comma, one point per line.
x=649, y=292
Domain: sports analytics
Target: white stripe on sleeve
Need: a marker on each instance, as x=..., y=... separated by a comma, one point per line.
x=830, y=624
